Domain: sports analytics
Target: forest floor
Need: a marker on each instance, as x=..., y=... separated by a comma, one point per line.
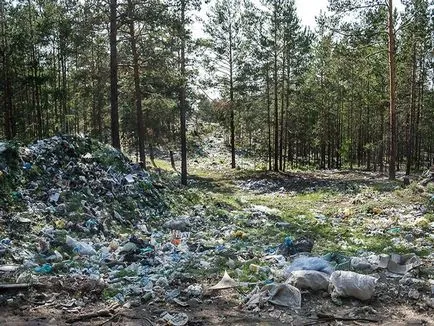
x=240, y=217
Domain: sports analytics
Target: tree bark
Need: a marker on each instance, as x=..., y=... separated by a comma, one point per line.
x=8, y=115
x=381, y=150
x=282, y=114
x=412, y=113
x=276, y=104
x=231, y=94
x=392, y=94
x=268, y=116
x=286, y=140
x=114, y=113
x=418, y=115
x=182, y=99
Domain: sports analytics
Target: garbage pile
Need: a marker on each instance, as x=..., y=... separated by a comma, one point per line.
x=71, y=205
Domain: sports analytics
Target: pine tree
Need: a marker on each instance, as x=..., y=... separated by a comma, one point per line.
x=224, y=29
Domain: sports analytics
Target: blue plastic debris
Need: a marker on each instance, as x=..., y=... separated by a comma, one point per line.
x=290, y=247
x=44, y=269
x=288, y=242
x=270, y=251
x=5, y=241
x=220, y=248
x=310, y=264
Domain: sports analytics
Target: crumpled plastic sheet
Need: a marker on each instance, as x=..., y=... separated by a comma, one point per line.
x=284, y=295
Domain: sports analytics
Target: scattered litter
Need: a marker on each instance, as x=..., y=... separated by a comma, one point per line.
x=194, y=290
x=226, y=282
x=88, y=214
x=414, y=294
x=80, y=248
x=175, y=319
x=182, y=224
x=338, y=261
x=402, y=264
x=8, y=268
x=44, y=269
x=256, y=268
x=290, y=247
x=129, y=178
x=54, y=197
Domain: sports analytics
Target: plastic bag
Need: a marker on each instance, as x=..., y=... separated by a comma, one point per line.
x=81, y=248
x=351, y=284
x=312, y=280
x=309, y=264
x=284, y=295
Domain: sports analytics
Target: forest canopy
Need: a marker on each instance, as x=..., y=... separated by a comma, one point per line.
x=352, y=92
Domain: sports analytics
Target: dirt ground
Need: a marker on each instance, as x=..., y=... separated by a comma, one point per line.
x=68, y=301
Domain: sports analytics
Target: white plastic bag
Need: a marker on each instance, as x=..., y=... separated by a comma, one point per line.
x=350, y=284
x=312, y=280
x=81, y=248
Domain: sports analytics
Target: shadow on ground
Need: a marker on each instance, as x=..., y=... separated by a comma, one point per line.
x=262, y=182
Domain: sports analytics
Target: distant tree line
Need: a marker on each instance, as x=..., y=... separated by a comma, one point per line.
x=353, y=93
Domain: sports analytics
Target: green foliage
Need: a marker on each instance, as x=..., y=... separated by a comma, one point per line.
x=325, y=92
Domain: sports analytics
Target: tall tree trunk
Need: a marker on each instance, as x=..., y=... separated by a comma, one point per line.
x=340, y=130
x=381, y=151
x=114, y=105
x=231, y=92
x=276, y=104
x=54, y=88
x=412, y=113
x=392, y=94
x=137, y=92
x=418, y=115
x=368, y=136
x=359, y=141
x=172, y=160
x=63, y=100
x=151, y=154
x=268, y=116
x=282, y=109
x=286, y=153
x=182, y=98
x=8, y=115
